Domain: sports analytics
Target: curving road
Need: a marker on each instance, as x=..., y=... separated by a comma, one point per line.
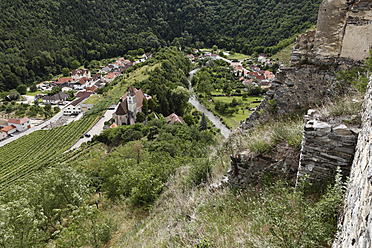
x=215, y=120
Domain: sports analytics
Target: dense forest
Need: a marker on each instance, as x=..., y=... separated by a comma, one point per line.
x=39, y=37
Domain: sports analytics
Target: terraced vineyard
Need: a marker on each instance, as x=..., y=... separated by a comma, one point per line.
x=31, y=152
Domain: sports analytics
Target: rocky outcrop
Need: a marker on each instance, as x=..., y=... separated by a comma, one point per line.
x=356, y=222
x=341, y=41
x=248, y=168
x=325, y=147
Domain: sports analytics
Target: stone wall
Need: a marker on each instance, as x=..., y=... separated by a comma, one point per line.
x=325, y=147
x=356, y=224
x=344, y=29
x=294, y=90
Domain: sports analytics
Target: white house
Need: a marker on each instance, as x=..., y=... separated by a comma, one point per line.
x=261, y=59
x=79, y=73
x=81, y=84
x=75, y=107
x=146, y=56
x=5, y=131
x=20, y=124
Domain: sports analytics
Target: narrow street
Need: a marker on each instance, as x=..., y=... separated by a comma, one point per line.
x=95, y=130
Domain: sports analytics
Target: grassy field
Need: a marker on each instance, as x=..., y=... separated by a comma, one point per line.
x=29, y=93
x=238, y=56
x=284, y=55
x=234, y=120
x=141, y=73
x=94, y=99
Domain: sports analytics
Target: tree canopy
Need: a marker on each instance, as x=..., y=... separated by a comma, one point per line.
x=39, y=38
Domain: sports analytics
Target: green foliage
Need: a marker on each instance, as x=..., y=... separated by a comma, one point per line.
x=22, y=89
x=29, y=153
x=140, y=117
x=40, y=45
x=199, y=172
x=296, y=222
x=203, y=123
x=29, y=211
x=264, y=139
x=75, y=64
x=357, y=76
x=65, y=72
x=139, y=170
x=33, y=88
x=54, y=91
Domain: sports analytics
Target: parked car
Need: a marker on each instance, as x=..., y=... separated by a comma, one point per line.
x=87, y=135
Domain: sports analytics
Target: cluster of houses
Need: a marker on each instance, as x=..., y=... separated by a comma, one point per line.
x=13, y=126
x=254, y=75
x=193, y=57
x=81, y=79
x=131, y=104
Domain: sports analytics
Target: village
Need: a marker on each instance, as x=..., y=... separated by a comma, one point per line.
x=253, y=75
x=85, y=87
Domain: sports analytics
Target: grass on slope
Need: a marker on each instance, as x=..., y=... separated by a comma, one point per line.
x=272, y=215
x=284, y=55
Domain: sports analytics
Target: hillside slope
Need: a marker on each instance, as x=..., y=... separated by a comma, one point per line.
x=39, y=37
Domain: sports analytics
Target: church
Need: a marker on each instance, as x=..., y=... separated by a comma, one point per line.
x=130, y=104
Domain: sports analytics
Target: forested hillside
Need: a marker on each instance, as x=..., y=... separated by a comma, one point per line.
x=40, y=37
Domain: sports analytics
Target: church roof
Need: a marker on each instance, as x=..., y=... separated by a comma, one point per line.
x=122, y=108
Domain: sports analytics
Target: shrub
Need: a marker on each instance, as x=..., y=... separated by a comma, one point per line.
x=199, y=172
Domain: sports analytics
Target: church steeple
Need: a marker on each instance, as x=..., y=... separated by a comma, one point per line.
x=132, y=105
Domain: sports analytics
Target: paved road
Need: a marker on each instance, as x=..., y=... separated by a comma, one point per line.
x=215, y=120
x=95, y=130
x=32, y=129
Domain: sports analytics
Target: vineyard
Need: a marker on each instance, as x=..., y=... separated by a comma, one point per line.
x=36, y=150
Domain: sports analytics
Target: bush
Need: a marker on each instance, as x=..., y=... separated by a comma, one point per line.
x=199, y=172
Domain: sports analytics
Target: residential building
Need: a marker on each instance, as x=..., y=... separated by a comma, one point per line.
x=74, y=108
x=172, y=118
x=20, y=124
x=64, y=82
x=56, y=98
x=110, y=77
x=81, y=84
x=6, y=131
x=146, y=56
x=79, y=73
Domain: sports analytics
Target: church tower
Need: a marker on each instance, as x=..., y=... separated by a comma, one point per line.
x=131, y=99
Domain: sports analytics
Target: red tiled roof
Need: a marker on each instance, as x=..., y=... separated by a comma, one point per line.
x=82, y=80
x=111, y=75
x=260, y=77
x=18, y=121
x=83, y=94
x=172, y=118
x=77, y=101
x=64, y=80
x=8, y=128
x=253, y=73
